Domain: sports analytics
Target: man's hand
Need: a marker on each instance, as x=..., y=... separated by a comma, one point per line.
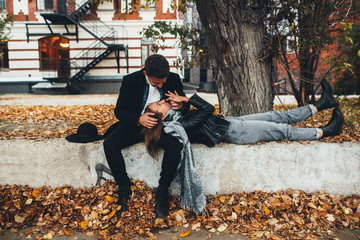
x=176, y=101
x=147, y=120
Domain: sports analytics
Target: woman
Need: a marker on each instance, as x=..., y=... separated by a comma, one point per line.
x=202, y=126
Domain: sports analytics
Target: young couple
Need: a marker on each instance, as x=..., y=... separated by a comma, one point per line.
x=152, y=107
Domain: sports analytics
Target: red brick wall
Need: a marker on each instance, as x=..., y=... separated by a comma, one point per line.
x=32, y=9
x=160, y=14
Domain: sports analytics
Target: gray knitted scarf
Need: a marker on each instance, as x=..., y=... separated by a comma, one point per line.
x=192, y=195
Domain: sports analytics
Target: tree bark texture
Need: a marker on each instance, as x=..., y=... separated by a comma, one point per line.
x=236, y=40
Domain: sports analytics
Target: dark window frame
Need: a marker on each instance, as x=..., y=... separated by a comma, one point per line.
x=4, y=55
x=45, y=5
x=2, y=4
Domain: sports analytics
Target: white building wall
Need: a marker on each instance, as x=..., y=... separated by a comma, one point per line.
x=21, y=6
x=167, y=6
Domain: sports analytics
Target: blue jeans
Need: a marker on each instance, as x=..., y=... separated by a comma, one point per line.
x=271, y=126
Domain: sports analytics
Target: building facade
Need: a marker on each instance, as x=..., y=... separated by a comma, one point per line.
x=74, y=43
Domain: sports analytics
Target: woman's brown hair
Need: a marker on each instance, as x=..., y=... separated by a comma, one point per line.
x=152, y=136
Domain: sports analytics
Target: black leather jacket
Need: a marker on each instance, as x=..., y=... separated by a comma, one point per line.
x=201, y=125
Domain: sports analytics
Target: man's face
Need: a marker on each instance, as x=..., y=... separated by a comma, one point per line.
x=156, y=82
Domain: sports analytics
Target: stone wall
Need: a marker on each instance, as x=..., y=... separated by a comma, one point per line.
x=226, y=168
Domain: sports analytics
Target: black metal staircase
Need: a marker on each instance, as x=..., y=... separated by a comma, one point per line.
x=78, y=15
x=81, y=11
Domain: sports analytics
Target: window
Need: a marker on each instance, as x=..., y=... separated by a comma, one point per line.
x=147, y=4
x=45, y=4
x=4, y=54
x=54, y=55
x=2, y=4
x=126, y=5
x=146, y=49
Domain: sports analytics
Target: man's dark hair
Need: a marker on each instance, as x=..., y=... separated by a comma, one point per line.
x=156, y=65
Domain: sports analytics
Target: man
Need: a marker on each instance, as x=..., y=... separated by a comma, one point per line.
x=138, y=90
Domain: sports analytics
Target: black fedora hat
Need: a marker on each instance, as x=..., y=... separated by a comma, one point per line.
x=86, y=132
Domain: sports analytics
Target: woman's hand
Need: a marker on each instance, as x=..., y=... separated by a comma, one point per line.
x=176, y=100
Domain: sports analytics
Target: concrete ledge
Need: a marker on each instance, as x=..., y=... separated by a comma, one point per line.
x=228, y=168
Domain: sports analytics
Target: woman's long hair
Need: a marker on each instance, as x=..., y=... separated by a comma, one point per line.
x=152, y=136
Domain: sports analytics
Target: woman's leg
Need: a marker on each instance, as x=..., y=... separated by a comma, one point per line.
x=242, y=131
x=288, y=117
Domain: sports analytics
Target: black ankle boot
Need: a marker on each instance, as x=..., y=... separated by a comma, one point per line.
x=334, y=127
x=162, y=203
x=123, y=197
x=327, y=100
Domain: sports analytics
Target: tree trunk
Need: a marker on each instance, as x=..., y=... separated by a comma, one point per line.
x=306, y=79
x=236, y=39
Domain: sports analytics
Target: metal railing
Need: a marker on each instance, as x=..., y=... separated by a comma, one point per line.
x=55, y=67
x=59, y=70
x=80, y=12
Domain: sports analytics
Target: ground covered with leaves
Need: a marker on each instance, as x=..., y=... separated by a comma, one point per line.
x=290, y=214
x=48, y=122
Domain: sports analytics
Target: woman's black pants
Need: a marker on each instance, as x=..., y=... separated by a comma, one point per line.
x=125, y=136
